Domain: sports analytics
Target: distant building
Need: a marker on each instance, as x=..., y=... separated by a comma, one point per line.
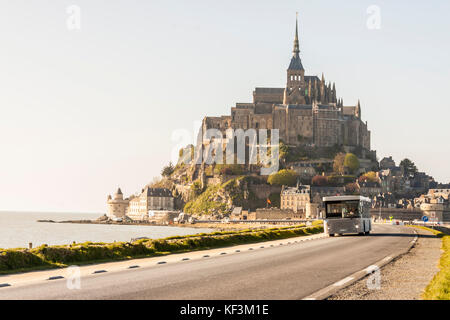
x=299, y=200
x=369, y=188
x=295, y=198
x=435, y=204
x=387, y=181
x=384, y=200
x=117, y=206
x=236, y=214
x=387, y=163
x=304, y=170
x=150, y=199
x=445, y=193
x=395, y=181
x=420, y=182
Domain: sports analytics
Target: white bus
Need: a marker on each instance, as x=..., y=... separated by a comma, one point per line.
x=347, y=214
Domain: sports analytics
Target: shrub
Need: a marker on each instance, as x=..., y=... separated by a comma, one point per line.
x=229, y=169
x=283, y=177
x=167, y=170
x=319, y=181
x=14, y=259
x=338, y=163
x=197, y=188
x=351, y=162
x=369, y=177
x=351, y=188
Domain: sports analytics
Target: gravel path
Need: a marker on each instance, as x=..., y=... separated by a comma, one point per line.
x=403, y=279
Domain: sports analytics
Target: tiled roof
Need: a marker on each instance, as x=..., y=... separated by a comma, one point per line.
x=296, y=63
x=313, y=78
x=237, y=211
x=269, y=90
x=299, y=106
x=297, y=190
x=158, y=192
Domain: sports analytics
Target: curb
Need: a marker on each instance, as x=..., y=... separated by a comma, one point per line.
x=331, y=290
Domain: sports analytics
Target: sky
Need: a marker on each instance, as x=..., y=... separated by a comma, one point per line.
x=91, y=101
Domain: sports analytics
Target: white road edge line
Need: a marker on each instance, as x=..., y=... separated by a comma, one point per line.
x=343, y=281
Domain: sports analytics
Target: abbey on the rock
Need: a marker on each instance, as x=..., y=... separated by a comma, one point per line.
x=306, y=111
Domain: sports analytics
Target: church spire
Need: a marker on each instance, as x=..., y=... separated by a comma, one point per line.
x=358, y=110
x=297, y=90
x=296, y=62
x=296, y=50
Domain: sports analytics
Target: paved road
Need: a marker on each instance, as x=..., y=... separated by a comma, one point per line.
x=284, y=272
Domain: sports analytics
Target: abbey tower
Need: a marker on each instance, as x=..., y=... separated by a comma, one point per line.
x=295, y=90
x=306, y=111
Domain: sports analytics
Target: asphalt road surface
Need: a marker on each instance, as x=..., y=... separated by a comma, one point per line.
x=291, y=271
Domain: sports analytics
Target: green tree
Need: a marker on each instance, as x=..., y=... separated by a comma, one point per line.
x=409, y=168
x=167, y=170
x=351, y=162
x=283, y=151
x=338, y=163
x=197, y=188
x=284, y=177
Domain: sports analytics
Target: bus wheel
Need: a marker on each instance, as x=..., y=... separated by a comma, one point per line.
x=361, y=233
x=331, y=234
x=367, y=233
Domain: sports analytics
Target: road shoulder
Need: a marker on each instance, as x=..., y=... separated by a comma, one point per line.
x=404, y=278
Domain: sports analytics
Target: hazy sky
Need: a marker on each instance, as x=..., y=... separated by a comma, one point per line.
x=85, y=111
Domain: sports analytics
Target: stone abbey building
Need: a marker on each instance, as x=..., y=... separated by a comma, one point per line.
x=306, y=112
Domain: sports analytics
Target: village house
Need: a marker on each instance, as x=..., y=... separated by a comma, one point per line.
x=298, y=199
x=150, y=199
x=387, y=163
x=368, y=188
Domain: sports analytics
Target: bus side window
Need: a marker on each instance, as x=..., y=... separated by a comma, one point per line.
x=344, y=211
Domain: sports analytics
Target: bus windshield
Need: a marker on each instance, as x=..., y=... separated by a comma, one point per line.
x=347, y=209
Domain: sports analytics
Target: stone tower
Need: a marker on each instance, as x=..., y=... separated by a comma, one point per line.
x=294, y=92
x=117, y=207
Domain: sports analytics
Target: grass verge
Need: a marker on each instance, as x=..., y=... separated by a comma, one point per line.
x=439, y=287
x=47, y=257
